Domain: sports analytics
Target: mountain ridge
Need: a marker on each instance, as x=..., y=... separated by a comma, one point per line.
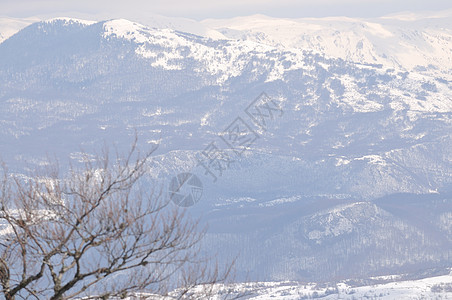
x=306, y=190
x=423, y=41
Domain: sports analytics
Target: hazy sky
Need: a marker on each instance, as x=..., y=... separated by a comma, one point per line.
x=201, y=9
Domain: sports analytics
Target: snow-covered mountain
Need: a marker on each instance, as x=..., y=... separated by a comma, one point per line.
x=350, y=174
x=419, y=41
x=407, y=41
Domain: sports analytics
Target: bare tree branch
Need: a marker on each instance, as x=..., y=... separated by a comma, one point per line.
x=97, y=233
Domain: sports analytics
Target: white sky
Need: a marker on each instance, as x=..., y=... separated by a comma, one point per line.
x=202, y=9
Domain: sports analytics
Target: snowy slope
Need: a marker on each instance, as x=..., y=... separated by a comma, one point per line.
x=10, y=26
x=178, y=24
x=231, y=57
x=439, y=287
x=398, y=41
